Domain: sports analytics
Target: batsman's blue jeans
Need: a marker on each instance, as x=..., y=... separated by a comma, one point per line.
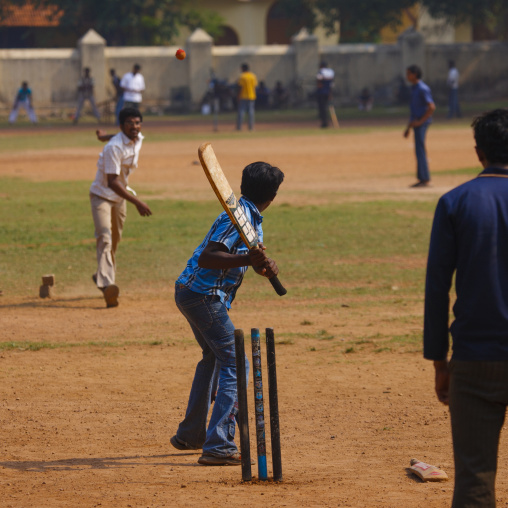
x=215, y=334
x=422, y=166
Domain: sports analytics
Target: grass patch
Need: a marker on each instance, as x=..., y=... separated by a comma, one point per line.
x=472, y=172
x=38, y=346
x=53, y=233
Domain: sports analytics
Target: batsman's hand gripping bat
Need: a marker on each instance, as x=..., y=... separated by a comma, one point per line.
x=230, y=204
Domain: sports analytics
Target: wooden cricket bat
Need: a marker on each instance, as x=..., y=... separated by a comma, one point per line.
x=333, y=116
x=228, y=200
x=427, y=472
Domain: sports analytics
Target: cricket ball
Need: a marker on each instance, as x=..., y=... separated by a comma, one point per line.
x=180, y=54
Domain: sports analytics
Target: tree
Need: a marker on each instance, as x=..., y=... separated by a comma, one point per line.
x=134, y=22
x=492, y=14
x=360, y=20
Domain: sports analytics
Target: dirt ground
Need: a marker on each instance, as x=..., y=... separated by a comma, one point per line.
x=90, y=426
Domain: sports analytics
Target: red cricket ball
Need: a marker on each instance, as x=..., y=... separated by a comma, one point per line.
x=180, y=54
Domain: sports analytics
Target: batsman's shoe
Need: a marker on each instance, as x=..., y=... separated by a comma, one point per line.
x=213, y=460
x=111, y=293
x=182, y=445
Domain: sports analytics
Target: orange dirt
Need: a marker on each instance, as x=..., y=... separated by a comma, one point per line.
x=90, y=426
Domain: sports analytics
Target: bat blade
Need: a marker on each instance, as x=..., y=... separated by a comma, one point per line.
x=227, y=198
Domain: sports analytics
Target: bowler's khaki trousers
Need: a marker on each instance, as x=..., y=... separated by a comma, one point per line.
x=109, y=218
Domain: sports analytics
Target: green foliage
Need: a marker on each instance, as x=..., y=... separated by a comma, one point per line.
x=360, y=21
x=493, y=14
x=135, y=22
x=348, y=248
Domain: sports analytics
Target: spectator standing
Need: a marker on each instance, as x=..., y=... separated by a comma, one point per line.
x=133, y=84
x=23, y=100
x=115, y=80
x=247, y=83
x=280, y=96
x=453, y=92
x=85, y=92
x=324, y=82
x=470, y=238
x=365, y=100
x=262, y=96
x=422, y=108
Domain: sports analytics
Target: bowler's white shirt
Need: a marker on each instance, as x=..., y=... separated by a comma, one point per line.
x=119, y=157
x=134, y=84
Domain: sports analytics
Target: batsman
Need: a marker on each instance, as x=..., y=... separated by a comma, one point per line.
x=204, y=292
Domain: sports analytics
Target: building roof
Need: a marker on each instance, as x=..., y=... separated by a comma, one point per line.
x=29, y=15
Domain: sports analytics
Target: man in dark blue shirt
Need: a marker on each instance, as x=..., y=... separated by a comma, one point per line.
x=422, y=108
x=470, y=238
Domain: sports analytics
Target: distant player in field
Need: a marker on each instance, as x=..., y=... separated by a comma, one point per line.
x=108, y=195
x=204, y=293
x=324, y=82
x=247, y=83
x=422, y=108
x=470, y=239
x=23, y=100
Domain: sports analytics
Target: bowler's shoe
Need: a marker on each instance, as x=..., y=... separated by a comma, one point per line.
x=111, y=293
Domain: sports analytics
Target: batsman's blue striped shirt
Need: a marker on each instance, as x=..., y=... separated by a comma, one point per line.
x=222, y=283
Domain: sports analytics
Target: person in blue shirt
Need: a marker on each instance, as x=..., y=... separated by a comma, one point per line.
x=470, y=239
x=23, y=100
x=422, y=108
x=204, y=292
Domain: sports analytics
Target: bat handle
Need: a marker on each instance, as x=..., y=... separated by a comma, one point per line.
x=279, y=288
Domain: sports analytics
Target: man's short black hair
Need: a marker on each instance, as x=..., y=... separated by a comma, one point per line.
x=414, y=69
x=245, y=67
x=128, y=113
x=261, y=181
x=491, y=135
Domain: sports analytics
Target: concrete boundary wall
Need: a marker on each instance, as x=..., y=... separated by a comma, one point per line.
x=53, y=73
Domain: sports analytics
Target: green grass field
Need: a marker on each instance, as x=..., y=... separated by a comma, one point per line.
x=47, y=228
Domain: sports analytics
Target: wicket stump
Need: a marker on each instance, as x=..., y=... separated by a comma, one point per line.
x=243, y=423
x=274, y=405
x=243, y=416
x=259, y=404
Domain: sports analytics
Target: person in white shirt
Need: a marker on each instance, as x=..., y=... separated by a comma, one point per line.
x=108, y=195
x=133, y=84
x=453, y=93
x=324, y=82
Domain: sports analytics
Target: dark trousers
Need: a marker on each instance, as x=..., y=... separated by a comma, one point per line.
x=478, y=400
x=323, y=101
x=422, y=165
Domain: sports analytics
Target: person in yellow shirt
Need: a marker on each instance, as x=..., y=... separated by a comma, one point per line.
x=247, y=83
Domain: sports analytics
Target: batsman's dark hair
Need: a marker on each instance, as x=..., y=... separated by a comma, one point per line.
x=244, y=67
x=414, y=69
x=491, y=135
x=261, y=181
x=128, y=113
